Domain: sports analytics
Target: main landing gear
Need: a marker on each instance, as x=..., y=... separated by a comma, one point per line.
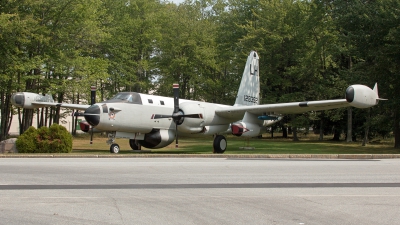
x=219, y=144
x=134, y=144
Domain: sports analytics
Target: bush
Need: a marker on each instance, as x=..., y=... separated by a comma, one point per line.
x=55, y=139
x=26, y=142
x=61, y=139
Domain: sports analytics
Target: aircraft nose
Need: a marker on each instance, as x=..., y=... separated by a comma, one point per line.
x=92, y=115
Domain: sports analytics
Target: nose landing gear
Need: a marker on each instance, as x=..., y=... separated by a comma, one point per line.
x=114, y=148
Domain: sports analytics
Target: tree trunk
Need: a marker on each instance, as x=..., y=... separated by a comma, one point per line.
x=321, y=127
x=272, y=132
x=365, y=140
x=57, y=110
x=46, y=116
x=6, y=115
x=396, y=130
x=284, y=132
x=42, y=118
x=295, y=137
x=26, y=121
x=336, y=134
x=349, y=124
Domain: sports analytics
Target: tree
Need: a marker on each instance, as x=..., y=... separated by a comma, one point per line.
x=369, y=29
x=186, y=52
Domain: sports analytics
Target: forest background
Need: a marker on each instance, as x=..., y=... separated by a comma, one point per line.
x=309, y=50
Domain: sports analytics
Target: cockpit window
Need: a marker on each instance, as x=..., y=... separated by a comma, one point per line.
x=128, y=97
x=123, y=96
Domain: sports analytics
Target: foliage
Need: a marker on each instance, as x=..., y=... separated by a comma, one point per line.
x=55, y=139
x=309, y=50
x=26, y=143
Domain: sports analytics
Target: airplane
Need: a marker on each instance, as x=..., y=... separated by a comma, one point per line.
x=155, y=121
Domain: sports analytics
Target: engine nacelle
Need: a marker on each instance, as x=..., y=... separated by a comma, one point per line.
x=25, y=99
x=191, y=125
x=242, y=129
x=215, y=129
x=158, y=138
x=208, y=117
x=361, y=96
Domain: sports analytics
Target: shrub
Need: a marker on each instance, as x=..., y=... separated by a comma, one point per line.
x=43, y=140
x=55, y=139
x=61, y=139
x=26, y=142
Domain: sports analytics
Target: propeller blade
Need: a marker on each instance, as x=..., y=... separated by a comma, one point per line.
x=91, y=135
x=197, y=116
x=160, y=116
x=176, y=135
x=93, y=95
x=78, y=113
x=176, y=97
x=92, y=102
x=176, y=114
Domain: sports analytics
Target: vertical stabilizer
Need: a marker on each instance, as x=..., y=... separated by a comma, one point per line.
x=249, y=89
x=376, y=88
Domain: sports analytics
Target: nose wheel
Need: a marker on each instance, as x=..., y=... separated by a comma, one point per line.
x=114, y=148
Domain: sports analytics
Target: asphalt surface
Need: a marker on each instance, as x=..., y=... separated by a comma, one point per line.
x=199, y=191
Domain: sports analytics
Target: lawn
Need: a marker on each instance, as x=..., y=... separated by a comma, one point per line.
x=266, y=145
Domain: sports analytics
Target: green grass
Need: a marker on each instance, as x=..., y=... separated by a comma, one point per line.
x=203, y=145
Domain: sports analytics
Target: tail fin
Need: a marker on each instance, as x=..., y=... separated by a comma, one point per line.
x=249, y=90
x=376, y=91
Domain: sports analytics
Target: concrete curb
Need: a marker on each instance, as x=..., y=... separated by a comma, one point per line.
x=250, y=156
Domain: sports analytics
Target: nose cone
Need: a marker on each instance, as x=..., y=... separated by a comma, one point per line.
x=92, y=115
x=18, y=99
x=350, y=94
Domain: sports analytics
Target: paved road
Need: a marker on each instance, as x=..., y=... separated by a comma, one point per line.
x=199, y=191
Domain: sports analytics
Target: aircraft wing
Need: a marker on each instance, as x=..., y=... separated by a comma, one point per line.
x=29, y=100
x=63, y=105
x=237, y=112
x=358, y=96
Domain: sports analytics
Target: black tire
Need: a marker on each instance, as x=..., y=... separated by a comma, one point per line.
x=220, y=144
x=114, y=148
x=133, y=144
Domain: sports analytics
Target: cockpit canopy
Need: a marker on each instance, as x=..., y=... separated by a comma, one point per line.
x=126, y=97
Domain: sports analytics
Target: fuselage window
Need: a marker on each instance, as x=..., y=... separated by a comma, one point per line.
x=162, y=102
x=150, y=101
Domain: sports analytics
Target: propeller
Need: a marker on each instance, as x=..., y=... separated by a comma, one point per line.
x=177, y=115
x=92, y=102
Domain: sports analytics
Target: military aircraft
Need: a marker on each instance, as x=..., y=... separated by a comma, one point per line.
x=155, y=121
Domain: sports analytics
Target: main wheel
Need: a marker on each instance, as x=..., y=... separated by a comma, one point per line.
x=219, y=144
x=114, y=148
x=134, y=145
